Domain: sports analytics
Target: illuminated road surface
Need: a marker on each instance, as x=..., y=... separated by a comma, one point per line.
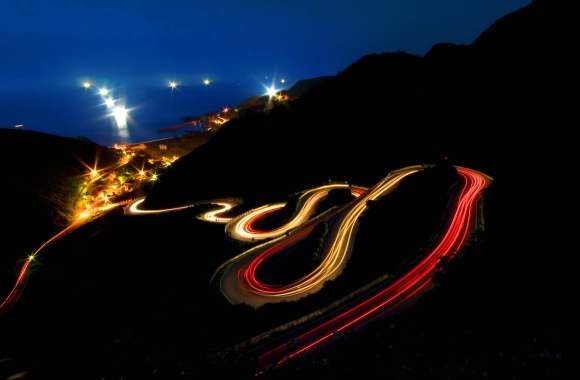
x=397, y=292
x=239, y=283
x=212, y=216
x=216, y=216
x=134, y=208
x=242, y=228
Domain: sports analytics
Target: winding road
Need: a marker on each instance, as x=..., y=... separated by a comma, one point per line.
x=397, y=292
x=238, y=278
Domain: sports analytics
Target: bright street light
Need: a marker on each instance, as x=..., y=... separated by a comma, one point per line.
x=271, y=91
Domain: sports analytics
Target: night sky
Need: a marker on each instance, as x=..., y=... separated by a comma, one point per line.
x=54, y=44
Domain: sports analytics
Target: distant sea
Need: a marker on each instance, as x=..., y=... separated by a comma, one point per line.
x=76, y=112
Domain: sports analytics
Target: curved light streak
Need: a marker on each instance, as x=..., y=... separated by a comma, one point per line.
x=82, y=218
x=133, y=208
x=214, y=216
x=239, y=283
x=404, y=288
x=242, y=228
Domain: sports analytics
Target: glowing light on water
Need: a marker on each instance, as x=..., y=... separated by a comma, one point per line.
x=120, y=114
x=103, y=91
x=109, y=102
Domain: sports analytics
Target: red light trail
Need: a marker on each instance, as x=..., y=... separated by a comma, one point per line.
x=402, y=289
x=239, y=283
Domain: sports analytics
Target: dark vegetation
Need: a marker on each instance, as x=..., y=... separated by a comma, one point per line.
x=129, y=297
x=40, y=176
x=296, y=261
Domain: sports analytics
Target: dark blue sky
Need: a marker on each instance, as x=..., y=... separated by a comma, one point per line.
x=134, y=47
x=56, y=42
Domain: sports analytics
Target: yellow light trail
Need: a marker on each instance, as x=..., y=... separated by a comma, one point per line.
x=133, y=208
x=213, y=216
x=241, y=227
x=246, y=288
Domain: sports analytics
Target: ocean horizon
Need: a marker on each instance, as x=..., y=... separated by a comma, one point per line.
x=75, y=112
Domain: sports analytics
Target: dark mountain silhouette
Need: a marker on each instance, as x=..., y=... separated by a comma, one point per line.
x=303, y=86
x=492, y=105
x=489, y=104
x=129, y=297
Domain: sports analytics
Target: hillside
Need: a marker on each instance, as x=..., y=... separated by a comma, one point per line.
x=491, y=105
x=40, y=178
x=394, y=108
x=130, y=296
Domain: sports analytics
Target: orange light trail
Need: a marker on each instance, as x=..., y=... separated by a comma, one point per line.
x=242, y=228
x=81, y=219
x=239, y=283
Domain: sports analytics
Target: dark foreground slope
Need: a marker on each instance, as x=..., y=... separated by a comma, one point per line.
x=40, y=177
x=492, y=105
x=129, y=298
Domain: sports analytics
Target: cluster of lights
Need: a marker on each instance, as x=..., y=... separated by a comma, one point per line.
x=117, y=111
x=106, y=188
x=120, y=113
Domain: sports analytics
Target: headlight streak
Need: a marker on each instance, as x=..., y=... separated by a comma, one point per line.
x=133, y=208
x=239, y=283
x=213, y=216
x=242, y=228
x=102, y=190
x=242, y=269
x=404, y=288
